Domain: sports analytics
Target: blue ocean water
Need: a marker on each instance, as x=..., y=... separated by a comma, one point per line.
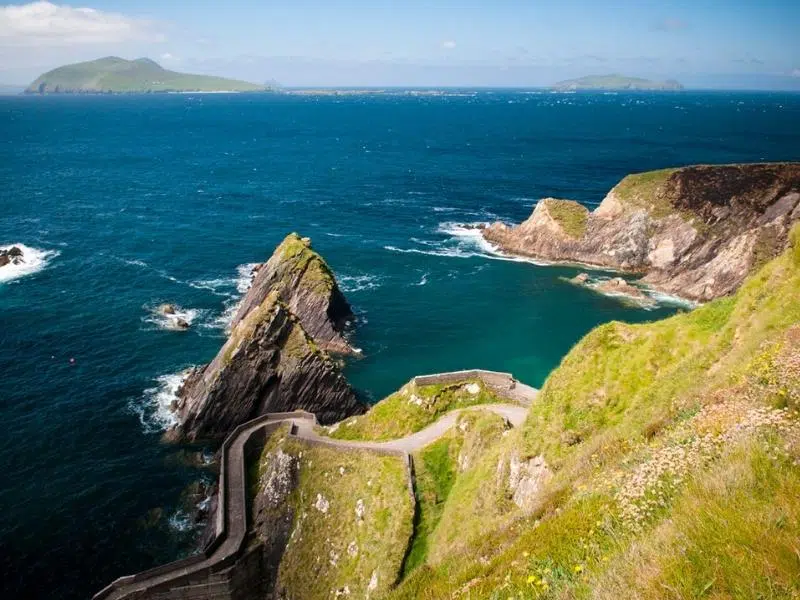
x=134, y=201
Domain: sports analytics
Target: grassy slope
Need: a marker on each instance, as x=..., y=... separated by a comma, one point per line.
x=571, y=215
x=334, y=550
x=118, y=75
x=676, y=452
x=409, y=410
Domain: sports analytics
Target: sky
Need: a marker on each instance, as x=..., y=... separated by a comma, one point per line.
x=745, y=44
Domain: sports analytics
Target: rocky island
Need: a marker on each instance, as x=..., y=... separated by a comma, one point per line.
x=603, y=83
x=114, y=75
x=277, y=355
x=694, y=232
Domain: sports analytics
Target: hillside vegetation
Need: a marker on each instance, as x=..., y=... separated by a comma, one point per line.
x=117, y=75
x=661, y=460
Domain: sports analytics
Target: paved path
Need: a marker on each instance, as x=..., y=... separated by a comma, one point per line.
x=235, y=488
x=513, y=413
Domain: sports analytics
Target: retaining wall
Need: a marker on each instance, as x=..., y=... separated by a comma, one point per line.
x=493, y=379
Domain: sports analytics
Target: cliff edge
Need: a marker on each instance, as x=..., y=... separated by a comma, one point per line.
x=272, y=362
x=694, y=232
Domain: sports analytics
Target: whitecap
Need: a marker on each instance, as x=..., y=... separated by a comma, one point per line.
x=32, y=261
x=358, y=283
x=170, y=321
x=423, y=280
x=180, y=521
x=155, y=408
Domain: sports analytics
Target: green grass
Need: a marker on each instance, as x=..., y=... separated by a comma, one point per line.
x=316, y=561
x=570, y=215
x=435, y=468
x=112, y=74
x=303, y=260
x=646, y=190
x=624, y=397
x=411, y=409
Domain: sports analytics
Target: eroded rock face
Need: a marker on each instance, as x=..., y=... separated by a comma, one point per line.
x=270, y=363
x=306, y=285
x=526, y=479
x=694, y=232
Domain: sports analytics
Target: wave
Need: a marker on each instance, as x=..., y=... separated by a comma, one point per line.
x=423, y=280
x=32, y=261
x=154, y=409
x=170, y=321
x=358, y=283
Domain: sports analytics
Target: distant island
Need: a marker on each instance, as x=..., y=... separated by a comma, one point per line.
x=615, y=82
x=113, y=75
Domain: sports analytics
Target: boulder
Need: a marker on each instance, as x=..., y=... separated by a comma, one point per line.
x=167, y=309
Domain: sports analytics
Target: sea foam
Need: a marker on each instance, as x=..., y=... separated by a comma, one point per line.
x=155, y=408
x=32, y=261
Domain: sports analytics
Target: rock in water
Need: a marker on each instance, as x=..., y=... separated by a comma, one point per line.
x=306, y=285
x=695, y=232
x=11, y=256
x=270, y=362
x=167, y=309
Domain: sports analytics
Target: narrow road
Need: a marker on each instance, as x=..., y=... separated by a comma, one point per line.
x=513, y=413
x=235, y=486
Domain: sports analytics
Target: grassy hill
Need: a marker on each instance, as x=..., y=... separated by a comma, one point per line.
x=661, y=460
x=117, y=75
x=673, y=466
x=616, y=82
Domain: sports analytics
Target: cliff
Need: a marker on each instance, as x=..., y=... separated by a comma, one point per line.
x=694, y=232
x=270, y=362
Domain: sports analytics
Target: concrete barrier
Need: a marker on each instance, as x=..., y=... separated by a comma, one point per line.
x=493, y=379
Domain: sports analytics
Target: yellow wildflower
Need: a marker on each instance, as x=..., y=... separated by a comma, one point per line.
x=531, y=578
x=578, y=568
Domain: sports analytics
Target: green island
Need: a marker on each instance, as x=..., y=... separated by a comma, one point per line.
x=114, y=75
x=615, y=82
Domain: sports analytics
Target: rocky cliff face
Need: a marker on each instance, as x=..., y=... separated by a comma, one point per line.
x=306, y=285
x=270, y=362
x=694, y=232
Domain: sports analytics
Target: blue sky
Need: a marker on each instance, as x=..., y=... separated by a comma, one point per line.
x=705, y=43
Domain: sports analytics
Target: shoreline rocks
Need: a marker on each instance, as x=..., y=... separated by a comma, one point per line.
x=694, y=232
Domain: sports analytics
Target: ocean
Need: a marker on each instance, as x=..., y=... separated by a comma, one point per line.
x=126, y=202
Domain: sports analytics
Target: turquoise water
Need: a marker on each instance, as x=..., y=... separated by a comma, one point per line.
x=134, y=201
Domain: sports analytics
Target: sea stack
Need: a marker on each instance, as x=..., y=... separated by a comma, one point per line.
x=695, y=232
x=277, y=355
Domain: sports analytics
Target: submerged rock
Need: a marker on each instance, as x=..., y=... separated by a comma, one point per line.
x=694, y=232
x=271, y=363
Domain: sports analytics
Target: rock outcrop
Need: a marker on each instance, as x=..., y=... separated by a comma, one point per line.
x=306, y=285
x=11, y=256
x=270, y=362
x=694, y=232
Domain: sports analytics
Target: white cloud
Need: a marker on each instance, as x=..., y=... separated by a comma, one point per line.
x=795, y=73
x=448, y=44
x=47, y=24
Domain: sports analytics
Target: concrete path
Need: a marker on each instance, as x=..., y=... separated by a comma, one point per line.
x=235, y=487
x=411, y=443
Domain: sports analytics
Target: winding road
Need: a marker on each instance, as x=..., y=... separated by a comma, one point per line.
x=195, y=577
